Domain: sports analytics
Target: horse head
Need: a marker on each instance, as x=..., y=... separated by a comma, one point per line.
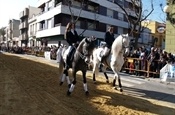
x=126, y=44
x=86, y=48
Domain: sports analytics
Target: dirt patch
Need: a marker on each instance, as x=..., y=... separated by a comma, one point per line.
x=30, y=88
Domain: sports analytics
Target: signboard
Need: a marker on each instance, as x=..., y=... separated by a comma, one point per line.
x=167, y=73
x=161, y=28
x=47, y=55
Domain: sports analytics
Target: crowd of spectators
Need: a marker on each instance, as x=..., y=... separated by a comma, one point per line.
x=155, y=58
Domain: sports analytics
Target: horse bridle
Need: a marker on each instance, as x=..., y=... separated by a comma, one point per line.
x=81, y=55
x=123, y=46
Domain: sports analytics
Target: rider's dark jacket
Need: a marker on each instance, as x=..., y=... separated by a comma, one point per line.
x=109, y=39
x=72, y=38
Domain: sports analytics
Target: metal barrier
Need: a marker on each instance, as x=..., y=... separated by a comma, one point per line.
x=139, y=65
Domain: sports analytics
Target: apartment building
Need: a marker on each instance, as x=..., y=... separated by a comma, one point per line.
x=32, y=32
x=12, y=32
x=24, y=15
x=95, y=17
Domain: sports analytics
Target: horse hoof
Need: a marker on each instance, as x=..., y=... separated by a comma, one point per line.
x=87, y=93
x=95, y=82
x=69, y=85
x=68, y=93
x=61, y=83
x=120, y=89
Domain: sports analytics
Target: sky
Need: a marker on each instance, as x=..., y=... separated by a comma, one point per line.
x=10, y=9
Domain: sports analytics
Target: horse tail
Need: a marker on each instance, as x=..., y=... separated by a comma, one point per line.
x=60, y=67
x=95, y=62
x=61, y=63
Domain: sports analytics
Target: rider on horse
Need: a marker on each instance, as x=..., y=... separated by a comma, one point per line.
x=109, y=39
x=72, y=39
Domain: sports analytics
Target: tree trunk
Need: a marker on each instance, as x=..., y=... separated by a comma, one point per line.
x=136, y=36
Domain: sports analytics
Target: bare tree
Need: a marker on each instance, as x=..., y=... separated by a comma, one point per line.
x=74, y=18
x=135, y=24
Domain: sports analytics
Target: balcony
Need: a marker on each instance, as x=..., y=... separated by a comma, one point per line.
x=49, y=32
x=26, y=12
x=21, y=14
x=59, y=30
x=21, y=26
x=23, y=36
x=25, y=24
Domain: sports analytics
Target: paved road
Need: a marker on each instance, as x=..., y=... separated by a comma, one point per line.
x=149, y=88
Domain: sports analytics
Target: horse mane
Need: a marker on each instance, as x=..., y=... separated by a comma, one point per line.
x=79, y=48
x=117, y=44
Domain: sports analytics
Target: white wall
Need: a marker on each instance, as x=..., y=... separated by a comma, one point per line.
x=33, y=11
x=65, y=9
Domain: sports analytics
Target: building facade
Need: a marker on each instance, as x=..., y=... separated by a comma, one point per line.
x=157, y=33
x=145, y=38
x=13, y=32
x=32, y=32
x=170, y=26
x=95, y=17
x=24, y=15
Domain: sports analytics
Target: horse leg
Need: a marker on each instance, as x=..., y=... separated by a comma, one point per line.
x=119, y=83
x=106, y=76
x=65, y=75
x=72, y=86
x=95, y=72
x=85, y=83
x=61, y=72
x=116, y=75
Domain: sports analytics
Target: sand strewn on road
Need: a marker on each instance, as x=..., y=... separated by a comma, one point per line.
x=30, y=88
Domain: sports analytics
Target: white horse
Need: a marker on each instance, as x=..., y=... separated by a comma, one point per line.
x=115, y=60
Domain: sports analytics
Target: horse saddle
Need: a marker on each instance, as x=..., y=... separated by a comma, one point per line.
x=70, y=57
x=104, y=55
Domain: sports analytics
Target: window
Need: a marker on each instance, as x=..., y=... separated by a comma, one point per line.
x=76, y=4
x=125, y=30
x=49, y=23
x=77, y=24
x=120, y=30
x=110, y=0
x=110, y=13
x=91, y=8
x=49, y=5
x=120, y=16
x=91, y=26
